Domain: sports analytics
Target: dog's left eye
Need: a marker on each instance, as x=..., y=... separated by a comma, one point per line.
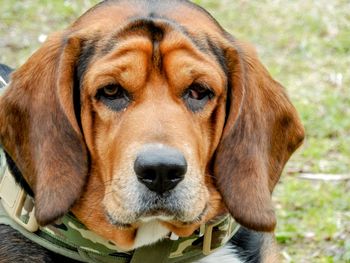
x=114, y=96
x=196, y=96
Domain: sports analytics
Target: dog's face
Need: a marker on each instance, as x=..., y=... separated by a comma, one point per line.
x=135, y=113
x=153, y=134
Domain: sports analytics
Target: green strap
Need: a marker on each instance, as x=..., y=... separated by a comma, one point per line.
x=94, y=258
x=79, y=255
x=183, y=250
x=3, y=84
x=151, y=254
x=5, y=220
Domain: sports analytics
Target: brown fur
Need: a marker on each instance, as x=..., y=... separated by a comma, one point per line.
x=38, y=135
x=261, y=132
x=239, y=153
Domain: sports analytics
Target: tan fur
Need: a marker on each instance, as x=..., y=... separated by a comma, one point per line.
x=234, y=158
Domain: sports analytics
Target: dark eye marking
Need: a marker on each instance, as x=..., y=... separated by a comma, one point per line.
x=196, y=96
x=114, y=96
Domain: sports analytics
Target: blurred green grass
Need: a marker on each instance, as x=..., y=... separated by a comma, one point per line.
x=306, y=46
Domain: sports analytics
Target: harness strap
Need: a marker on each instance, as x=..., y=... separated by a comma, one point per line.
x=5, y=220
x=2, y=82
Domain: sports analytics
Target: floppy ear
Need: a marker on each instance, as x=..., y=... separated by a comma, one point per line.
x=39, y=130
x=262, y=130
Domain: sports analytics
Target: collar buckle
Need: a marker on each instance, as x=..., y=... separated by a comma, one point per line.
x=16, y=202
x=218, y=233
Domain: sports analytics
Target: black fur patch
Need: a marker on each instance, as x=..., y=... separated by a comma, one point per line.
x=248, y=244
x=218, y=53
x=88, y=50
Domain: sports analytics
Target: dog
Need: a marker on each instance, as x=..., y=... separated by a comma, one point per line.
x=145, y=120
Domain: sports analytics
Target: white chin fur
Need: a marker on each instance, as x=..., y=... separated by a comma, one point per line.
x=149, y=233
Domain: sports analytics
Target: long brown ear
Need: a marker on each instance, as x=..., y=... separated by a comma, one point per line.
x=39, y=130
x=262, y=130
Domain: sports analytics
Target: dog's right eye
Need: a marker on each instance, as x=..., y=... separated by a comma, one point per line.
x=111, y=91
x=114, y=96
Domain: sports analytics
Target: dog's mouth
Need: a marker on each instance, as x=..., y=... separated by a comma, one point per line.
x=166, y=215
x=161, y=214
x=187, y=204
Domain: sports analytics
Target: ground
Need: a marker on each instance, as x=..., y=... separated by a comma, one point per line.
x=306, y=46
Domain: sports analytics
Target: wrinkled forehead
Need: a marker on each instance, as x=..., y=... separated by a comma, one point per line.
x=112, y=15
x=169, y=25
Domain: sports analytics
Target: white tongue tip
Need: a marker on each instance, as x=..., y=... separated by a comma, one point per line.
x=173, y=236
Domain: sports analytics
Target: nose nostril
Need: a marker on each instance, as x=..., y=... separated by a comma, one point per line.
x=148, y=175
x=175, y=175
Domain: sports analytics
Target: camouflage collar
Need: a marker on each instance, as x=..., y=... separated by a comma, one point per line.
x=72, y=239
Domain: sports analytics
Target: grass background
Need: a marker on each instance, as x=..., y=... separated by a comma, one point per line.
x=305, y=45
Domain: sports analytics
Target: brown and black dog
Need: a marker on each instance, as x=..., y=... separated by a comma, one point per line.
x=148, y=111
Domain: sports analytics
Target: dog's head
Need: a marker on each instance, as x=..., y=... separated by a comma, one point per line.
x=148, y=110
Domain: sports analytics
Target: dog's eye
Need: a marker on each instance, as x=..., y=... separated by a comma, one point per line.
x=196, y=96
x=111, y=91
x=114, y=96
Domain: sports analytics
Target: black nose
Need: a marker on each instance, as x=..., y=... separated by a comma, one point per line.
x=160, y=168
